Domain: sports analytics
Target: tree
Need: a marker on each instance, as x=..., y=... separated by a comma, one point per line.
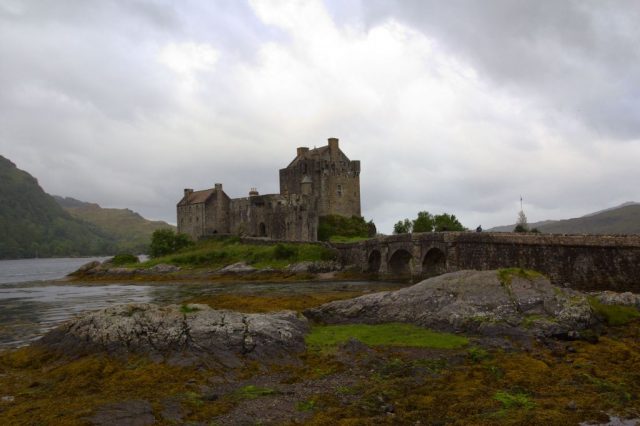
x=424, y=222
x=521, y=224
x=403, y=227
x=447, y=222
x=165, y=241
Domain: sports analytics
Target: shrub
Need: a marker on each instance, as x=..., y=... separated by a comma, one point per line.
x=165, y=241
x=336, y=225
x=124, y=259
x=282, y=251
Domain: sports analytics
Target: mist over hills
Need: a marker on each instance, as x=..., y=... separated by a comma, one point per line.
x=622, y=219
x=36, y=224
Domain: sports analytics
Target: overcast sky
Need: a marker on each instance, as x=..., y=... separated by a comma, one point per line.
x=451, y=106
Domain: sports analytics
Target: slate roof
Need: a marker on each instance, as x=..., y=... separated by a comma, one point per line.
x=197, y=197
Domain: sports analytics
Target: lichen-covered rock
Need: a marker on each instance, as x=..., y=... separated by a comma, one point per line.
x=612, y=298
x=471, y=301
x=182, y=332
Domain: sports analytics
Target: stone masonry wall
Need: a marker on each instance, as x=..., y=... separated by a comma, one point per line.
x=587, y=262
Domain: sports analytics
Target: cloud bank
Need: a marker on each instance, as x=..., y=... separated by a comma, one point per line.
x=459, y=106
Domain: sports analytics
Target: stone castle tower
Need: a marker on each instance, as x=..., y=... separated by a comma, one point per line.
x=318, y=182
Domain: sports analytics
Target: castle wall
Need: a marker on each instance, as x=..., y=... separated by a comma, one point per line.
x=275, y=216
x=191, y=220
x=335, y=179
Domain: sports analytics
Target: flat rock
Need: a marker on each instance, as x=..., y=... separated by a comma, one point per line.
x=163, y=268
x=473, y=302
x=612, y=298
x=183, y=334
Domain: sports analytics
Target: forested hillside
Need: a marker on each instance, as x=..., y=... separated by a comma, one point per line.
x=32, y=224
x=131, y=231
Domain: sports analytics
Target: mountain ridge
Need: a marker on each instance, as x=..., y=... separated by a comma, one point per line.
x=621, y=219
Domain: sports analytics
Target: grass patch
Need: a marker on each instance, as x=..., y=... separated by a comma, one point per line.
x=392, y=334
x=477, y=354
x=216, y=253
x=506, y=275
x=343, y=239
x=614, y=314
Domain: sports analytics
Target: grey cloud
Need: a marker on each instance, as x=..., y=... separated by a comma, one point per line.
x=578, y=57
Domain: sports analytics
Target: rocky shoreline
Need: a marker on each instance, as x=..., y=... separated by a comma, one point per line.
x=528, y=352
x=239, y=271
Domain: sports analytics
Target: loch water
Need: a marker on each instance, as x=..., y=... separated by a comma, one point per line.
x=34, y=297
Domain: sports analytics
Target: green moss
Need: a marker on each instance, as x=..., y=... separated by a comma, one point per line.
x=253, y=392
x=392, y=334
x=187, y=309
x=514, y=400
x=613, y=314
x=477, y=354
x=506, y=275
x=306, y=405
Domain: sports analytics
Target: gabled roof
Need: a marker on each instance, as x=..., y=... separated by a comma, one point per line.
x=197, y=197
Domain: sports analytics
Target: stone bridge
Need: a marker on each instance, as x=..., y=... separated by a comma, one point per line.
x=586, y=262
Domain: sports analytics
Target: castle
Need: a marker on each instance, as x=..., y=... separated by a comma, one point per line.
x=318, y=182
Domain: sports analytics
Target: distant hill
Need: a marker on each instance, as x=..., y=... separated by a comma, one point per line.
x=32, y=224
x=131, y=231
x=623, y=219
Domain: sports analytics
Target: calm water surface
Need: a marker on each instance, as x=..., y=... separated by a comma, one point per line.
x=31, y=302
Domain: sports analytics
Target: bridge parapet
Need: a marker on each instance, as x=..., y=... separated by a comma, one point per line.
x=587, y=262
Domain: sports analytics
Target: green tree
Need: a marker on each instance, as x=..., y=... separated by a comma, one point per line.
x=403, y=227
x=521, y=224
x=424, y=222
x=165, y=241
x=447, y=222
x=341, y=226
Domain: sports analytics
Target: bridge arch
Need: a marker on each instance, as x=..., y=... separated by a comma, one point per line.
x=400, y=262
x=434, y=263
x=374, y=260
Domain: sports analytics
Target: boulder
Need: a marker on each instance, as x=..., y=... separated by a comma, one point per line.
x=478, y=302
x=163, y=268
x=314, y=267
x=612, y=298
x=237, y=268
x=185, y=333
x=87, y=268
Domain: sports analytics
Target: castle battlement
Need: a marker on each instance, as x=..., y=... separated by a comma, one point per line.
x=317, y=182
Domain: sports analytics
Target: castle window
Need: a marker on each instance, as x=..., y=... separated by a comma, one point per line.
x=339, y=191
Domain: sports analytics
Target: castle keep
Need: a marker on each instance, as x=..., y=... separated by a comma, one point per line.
x=318, y=182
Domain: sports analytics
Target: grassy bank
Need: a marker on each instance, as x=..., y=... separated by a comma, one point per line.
x=217, y=253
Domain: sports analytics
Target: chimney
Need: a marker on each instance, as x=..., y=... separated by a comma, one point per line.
x=253, y=192
x=218, y=186
x=333, y=148
x=187, y=191
x=302, y=150
x=333, y=144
